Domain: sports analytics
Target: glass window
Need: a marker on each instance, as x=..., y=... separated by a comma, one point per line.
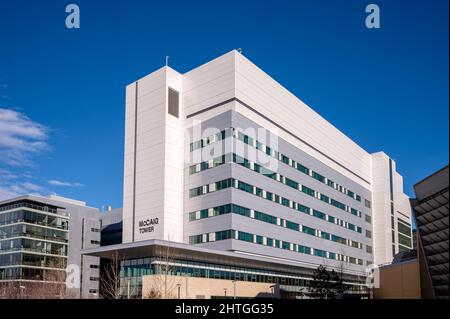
x=303, y=209
x=319, y=177
x=292, y=225
x=309, y=230
x=303, y=169
x=308, y=190
x=324, y=198
x=318, y=214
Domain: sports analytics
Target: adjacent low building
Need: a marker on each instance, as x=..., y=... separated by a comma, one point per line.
x=400, y=279
x=40, y=237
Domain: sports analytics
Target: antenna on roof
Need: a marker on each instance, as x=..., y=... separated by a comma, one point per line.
x=239, y=50
x=167, y=60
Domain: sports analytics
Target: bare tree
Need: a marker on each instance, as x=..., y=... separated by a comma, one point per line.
x=110, y=277
x=152, y=294
x=10, y=290
x=49, y=284
x=340, y=286
x=56, y=276
x=164, y=283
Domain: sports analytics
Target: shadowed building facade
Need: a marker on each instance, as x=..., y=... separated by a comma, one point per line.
x=431, y=212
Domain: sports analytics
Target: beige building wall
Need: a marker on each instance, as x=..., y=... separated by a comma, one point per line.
x=399, y=281
x=202, y=288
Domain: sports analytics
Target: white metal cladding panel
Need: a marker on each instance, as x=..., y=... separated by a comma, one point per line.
x=218, y=245
x=381, y=217
x=209, y=225
x=149, y=152
x=213, y=92
x=404, y=207
x=152, y=81
x=210, y=114
x=206, y=72
x=129, y=162
x=274, y=101
x=208, y=84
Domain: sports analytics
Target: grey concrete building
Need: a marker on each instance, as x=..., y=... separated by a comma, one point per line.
x=40, y=237
x=431, y=213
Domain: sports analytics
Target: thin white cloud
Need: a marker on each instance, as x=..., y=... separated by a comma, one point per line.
x=31, y=187
x=7, y=193
x=55, y=182
x=10, y=190
x=20, y=138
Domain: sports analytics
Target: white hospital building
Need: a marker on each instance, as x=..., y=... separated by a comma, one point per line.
x=246, y=183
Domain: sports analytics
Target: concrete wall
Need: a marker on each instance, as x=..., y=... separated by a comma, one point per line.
x=399, y=281
x=203, y=288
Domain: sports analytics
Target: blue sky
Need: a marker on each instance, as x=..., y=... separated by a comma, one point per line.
x=62, y=91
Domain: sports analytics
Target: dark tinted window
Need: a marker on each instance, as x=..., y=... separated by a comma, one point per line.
x=173, y=102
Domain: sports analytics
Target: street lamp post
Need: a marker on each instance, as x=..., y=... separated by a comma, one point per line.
x=234, y=289
x=22, y=289
x=273, y=290
x=179, y=287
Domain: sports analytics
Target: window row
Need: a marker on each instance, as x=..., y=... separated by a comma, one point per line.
x=231, y=182
x=270, y=242
x=232, y=132
x=32, y=274
x=243, y=211
x=32, y=260
x=33, y=245
x=233, y=158
x=26, y=230
x=29, y=204
x=25, y=216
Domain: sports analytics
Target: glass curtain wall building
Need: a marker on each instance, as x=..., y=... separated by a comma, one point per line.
x=33, y=241
x=40, y=236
